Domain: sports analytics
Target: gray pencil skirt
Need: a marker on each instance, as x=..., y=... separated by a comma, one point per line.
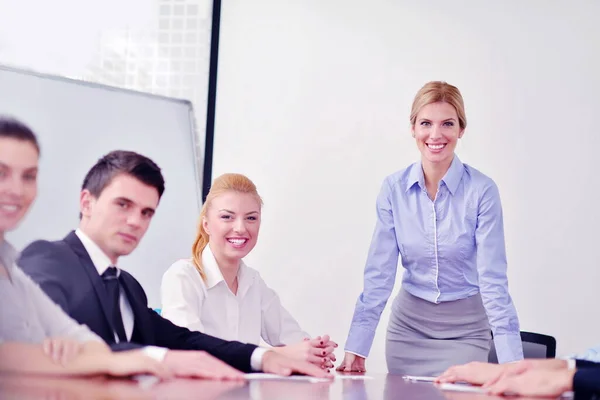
x=425, y=339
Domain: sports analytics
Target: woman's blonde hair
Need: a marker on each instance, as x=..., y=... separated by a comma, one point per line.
x=224, y=183
x=438, y=91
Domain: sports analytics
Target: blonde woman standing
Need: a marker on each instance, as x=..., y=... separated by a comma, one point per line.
x=215, y=292
x=443, y=219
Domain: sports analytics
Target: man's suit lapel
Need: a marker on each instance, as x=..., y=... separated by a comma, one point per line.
x=73, y=241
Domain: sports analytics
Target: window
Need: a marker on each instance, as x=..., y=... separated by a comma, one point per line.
x=178, y=10
x=178, y=23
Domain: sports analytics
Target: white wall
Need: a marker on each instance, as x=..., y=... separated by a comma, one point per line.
x=313, y=103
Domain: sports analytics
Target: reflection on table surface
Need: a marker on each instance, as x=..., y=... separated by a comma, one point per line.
x=380, y=387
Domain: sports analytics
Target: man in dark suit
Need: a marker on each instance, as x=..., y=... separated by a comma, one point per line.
x=80, y=273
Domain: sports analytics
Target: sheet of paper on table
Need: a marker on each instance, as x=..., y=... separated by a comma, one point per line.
x=419, y=378
x=458, y=387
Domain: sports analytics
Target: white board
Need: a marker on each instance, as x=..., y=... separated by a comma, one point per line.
x=76, y=124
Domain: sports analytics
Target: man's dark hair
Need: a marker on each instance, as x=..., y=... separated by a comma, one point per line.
x=123, y=162
x=15, y=129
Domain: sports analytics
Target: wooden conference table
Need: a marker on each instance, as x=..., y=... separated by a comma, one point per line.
x=380, y=387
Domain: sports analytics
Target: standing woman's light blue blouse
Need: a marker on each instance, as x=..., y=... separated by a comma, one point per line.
x=451, y=248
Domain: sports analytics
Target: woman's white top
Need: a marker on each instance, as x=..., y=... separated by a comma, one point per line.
x=210, y=307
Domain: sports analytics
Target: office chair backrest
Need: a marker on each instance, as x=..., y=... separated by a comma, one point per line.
x=535, y=345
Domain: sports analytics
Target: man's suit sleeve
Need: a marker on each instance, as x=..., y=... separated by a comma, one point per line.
x=39, y=261
x=586, y=381
x=586, y=363
x=174, y=337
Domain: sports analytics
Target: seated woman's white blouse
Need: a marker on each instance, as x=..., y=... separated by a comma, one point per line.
x=213, y=309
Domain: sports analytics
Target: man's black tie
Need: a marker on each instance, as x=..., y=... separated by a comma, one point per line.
x=112, y=285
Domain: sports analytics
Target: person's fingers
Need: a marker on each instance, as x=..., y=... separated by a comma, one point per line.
x=232, y=374
x=51, y=349
x=443, y=374
x=450, y=372
x=328, y=350
x=350, y=366
x=517, y=370
x=279, y=369
x=521, y=368
x=325, y=340
x=210, y=373
x=314, y=343
x=224, y=371
x=310, y=369
x=446, y=379
x=346, y=364
x=216, y=374
x=319, y=341
x=204, y=374
x=196, y=371
x=56, y=350
x=163, y=372
x=320, y=352
x=157, y=369
x=498, y=389
x=327, y=364
x=235, y=377
x=313, y=359
x=66, y=352
x=72, y=352
x=494, y=380
x=47, y=347
x=359, y=367
x=69, y=349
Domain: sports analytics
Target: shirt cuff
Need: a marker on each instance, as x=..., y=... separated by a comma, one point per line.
x=571, y=363
x=359, y=341
x=157, y=353
x=256, y=358
x=356, y=354
x=508, y=347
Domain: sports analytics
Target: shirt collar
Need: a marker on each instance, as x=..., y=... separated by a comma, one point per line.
x=451, y=179
x=454, y=175
x=415, y=175
x=99, y=259
x=8, y=255
x=214, y=275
